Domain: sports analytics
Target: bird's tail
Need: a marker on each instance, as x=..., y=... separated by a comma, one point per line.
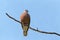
x=25, y=30
x=25, y=33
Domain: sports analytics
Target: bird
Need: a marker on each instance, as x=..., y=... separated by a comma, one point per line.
x=25, y=22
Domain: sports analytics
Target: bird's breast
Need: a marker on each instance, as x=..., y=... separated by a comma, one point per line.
x=25, y=18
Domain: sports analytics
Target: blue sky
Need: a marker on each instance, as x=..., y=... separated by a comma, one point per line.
x=45, y=15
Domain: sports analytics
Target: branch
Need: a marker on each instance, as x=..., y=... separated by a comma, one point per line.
x=33, y=28
x=44, y=31
x=13, y=18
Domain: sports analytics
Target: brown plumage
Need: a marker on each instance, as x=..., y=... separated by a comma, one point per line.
x=25, y=21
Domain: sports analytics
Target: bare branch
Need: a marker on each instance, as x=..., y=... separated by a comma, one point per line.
x=33, y=28
x=13, y=18
x=44, y=31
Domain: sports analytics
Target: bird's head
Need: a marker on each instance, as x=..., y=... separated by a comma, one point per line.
x=25, y=10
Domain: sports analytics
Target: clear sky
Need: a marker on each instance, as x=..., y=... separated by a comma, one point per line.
x=45, y=15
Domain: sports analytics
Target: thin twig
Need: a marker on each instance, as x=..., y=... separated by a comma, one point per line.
x=44, y=31
x=12, y=18
x=33, y=28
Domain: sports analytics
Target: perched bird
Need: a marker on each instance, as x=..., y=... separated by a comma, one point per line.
x=25, y=21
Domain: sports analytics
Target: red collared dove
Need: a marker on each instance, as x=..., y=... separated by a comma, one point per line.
x=25, y=21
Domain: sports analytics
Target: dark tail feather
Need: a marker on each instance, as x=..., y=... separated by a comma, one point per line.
x=25, y=30
x=25, y=33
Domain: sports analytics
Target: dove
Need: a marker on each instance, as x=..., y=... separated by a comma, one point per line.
x=25, y=22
